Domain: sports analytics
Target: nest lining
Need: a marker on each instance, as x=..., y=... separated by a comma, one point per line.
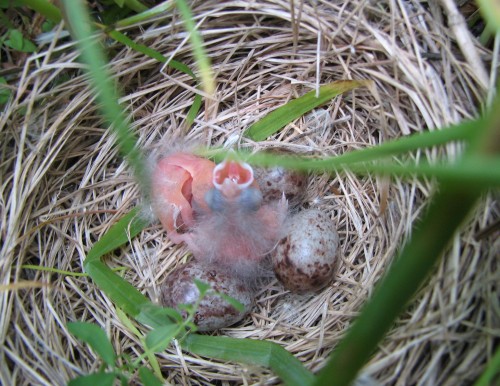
x=64, y=185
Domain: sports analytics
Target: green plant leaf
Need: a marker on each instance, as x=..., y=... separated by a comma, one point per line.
x=167, y=313
x=252, y=352
x=202, y=286
x=6, y=4
x=484, y=171
x=18, y=42
x=121, y=38
x=148, y=378
x=47, y=26
x=96, y=338
x=490, y=9
x=235, y=303
x=158, y=339
x=294, y=109
x=101, y=379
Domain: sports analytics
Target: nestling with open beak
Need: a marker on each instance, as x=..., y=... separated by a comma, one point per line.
x=220, y=210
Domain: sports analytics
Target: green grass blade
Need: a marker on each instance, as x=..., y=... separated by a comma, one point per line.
x=476, y=170
x=196, y=105
x=122, y=293
x=121, y=38
x=143, y=16
x=206, y=75
x=104, y=86
x=194, y=110
x=460, y=132
x=252, y=352
x=62, y=272
x=119, y=234
x=135, y=5
x=492, y=371
x=283, y=115
x=45, y=8
x=482, y=172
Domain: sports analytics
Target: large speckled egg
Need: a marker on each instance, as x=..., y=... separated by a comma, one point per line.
x=276, y=180
x=213, y=312
x=306, y=258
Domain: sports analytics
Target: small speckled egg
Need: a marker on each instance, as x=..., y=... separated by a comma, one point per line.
x=213, y=312
x=305, y=259
x=275, y=181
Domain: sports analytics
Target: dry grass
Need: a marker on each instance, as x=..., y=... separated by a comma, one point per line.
x=63, y=185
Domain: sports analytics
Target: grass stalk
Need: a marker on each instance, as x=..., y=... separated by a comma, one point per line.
x=206, y=75
x=102, y=82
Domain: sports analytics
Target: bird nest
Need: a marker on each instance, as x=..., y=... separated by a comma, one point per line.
x=64, y=185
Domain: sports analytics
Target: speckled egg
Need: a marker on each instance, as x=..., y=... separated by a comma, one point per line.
x=275, y=181
x=213, y=312
x=305, y=259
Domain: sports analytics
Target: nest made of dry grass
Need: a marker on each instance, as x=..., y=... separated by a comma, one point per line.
x=63, y=185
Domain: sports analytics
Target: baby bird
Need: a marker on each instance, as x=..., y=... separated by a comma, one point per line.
x=230, y=226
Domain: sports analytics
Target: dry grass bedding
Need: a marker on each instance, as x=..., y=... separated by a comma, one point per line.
x=63, y=185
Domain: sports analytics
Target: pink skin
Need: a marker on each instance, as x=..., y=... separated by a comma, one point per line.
x=180, y=181
x=229, y=225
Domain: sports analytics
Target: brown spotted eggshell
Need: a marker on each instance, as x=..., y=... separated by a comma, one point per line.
x=305, y=259
x=213, y=312
x=275, y=181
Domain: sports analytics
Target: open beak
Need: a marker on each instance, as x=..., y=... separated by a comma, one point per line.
x=231, y=176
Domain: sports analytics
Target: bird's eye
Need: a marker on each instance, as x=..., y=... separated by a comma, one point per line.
x=250, y=199
x=215, y=200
